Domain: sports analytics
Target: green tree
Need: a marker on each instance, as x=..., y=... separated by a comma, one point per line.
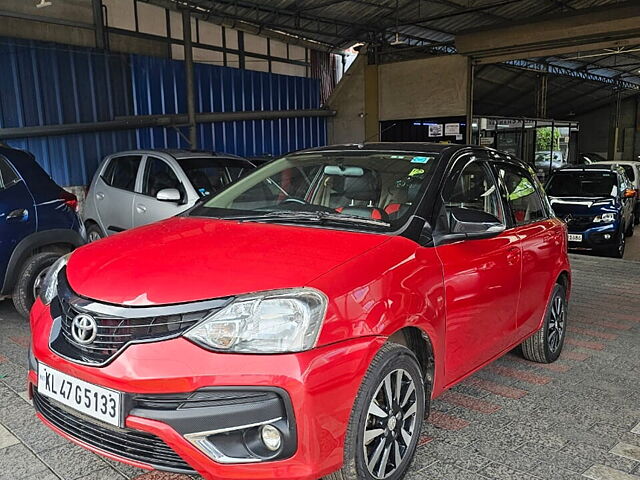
x=543, y=139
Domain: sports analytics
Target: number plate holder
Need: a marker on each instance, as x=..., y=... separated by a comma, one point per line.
x=94, y=401
x=575, y=237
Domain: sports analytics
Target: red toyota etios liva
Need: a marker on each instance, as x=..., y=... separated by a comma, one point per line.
x=298, y=323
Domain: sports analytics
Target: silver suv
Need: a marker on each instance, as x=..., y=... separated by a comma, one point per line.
x=138, y=187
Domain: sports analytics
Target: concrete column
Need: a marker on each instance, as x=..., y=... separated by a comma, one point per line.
x=188, y=65
x=371, y=107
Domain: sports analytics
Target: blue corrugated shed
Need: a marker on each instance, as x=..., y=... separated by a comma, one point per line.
x=159, y=88
x=46, y=84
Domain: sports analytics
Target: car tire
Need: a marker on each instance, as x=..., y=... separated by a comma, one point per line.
x=545, y=345
x=618, y=250
x=94, y=233
x=33, y=271
x=400, y=436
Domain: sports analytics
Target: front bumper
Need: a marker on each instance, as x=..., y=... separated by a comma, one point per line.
x=596, y=238
x=312, y=396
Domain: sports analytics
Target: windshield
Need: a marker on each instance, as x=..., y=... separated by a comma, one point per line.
x=329, y=188
x=210, y=174
x=583, y=184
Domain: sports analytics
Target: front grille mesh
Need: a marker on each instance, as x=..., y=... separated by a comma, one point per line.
x=126, y=443
x=201, y=398
x=114, y=333
x=580, y=222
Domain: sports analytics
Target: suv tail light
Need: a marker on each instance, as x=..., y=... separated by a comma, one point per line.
x=70, y=200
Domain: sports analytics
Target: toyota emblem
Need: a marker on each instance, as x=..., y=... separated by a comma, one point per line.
x=84, y=329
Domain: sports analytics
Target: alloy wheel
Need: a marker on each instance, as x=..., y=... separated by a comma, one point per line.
x=93, y=236
x=38, y=282
x=556, y=327
x=391, y=424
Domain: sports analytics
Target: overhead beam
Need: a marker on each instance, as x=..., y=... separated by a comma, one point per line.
x=539, y=67
x=575, y=32
x=143, y=121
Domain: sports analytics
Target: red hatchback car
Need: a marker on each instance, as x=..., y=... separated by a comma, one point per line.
x=298, y=323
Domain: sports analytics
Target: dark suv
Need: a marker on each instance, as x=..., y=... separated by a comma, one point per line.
x=38, y=224
x=597, y=202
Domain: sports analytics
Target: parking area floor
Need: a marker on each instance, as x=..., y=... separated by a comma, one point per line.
x=577, y=418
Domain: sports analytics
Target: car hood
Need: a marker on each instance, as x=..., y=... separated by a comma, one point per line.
x=189, y=259
x=564, y=206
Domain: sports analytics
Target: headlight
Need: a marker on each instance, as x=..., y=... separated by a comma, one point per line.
x=270, y=322
x=605, y=218
x=49, y=286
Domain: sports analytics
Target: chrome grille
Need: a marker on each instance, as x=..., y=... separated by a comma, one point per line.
x=119, y=326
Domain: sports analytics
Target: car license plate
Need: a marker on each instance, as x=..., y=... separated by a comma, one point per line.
x=92, y=400
x=575, y=237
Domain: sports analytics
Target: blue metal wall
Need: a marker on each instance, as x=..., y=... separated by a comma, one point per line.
x=159, y=88
x=47, y=84
x=44, y=84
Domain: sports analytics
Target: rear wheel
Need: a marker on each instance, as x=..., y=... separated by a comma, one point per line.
x=545, y=345
x=94, y=233
x=385, y=423
x=29, y=280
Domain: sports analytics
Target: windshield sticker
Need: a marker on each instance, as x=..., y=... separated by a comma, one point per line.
x=419, y=159
x=416, y=171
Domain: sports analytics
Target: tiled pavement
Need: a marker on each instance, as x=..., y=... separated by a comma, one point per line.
x=578, y=418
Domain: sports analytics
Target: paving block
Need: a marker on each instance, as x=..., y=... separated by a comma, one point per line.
x=600, y=472
x=627, y=451
x=6, y=438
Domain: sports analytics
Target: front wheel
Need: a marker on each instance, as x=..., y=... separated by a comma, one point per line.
x=384, y=428
x=28, y=282
x=545, y=345
x=618, y=250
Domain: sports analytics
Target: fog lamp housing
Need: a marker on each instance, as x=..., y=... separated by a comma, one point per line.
x=271, y=437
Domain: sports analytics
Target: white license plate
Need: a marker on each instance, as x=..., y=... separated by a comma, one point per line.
x=575, y=237
x=92, y=400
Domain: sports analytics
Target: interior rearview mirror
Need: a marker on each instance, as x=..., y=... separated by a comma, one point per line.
x=168, y=195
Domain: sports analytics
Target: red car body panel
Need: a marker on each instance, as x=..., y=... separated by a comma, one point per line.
x=208, y=254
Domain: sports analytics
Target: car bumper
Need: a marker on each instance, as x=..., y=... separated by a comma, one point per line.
x=595, y=238
x=315, y=390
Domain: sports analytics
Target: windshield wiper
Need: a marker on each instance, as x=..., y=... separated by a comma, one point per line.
x=308, y=217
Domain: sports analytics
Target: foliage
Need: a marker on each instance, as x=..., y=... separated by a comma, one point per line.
x=543, y=139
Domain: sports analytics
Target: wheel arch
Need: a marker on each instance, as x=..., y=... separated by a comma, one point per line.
x=55, y=240
x=420, y=344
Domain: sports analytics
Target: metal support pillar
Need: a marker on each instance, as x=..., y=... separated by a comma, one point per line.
x=188, y=66
x=98, y=21
x=541, y=95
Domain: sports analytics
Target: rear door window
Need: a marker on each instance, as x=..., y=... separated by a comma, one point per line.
x=523, y=197
x=122, y=172
x=7, y=175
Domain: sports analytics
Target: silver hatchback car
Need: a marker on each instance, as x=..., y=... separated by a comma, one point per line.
x=137, y=187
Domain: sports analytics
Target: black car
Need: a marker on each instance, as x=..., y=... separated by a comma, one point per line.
x=597, y=202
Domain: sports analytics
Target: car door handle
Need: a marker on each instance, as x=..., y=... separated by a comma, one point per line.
x=141, y=208
x=18, y=215
x=99, y=196
x=513, y=255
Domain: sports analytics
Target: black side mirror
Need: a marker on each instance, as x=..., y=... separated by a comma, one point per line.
x=467, y=224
